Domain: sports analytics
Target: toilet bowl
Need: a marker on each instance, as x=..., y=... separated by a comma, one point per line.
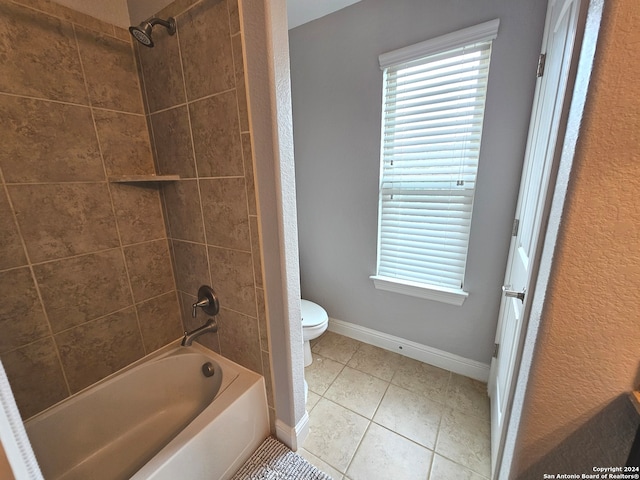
x=314, y=323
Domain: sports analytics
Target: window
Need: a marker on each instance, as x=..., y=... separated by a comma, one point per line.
x=433, y=109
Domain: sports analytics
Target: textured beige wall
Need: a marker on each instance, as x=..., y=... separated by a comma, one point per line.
x=587, y=357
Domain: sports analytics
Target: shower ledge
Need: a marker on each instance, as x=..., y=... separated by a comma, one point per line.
x=143, y=178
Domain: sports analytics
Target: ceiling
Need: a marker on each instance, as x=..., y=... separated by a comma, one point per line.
x=130, y=12
x=303, y=11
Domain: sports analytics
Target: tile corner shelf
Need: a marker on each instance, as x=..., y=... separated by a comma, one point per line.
x=143, y=178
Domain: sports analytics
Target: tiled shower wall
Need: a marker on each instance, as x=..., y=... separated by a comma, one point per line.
x=86, y=284
x=196, y=100
x=85, y=271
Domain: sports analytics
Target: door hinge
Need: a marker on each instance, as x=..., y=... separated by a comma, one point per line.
x=541, y=61
x=514, y=229
x=496, y=347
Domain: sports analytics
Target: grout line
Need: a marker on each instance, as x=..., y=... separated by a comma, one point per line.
x=36, y=286
x=187, y=103
x=18, y=267
x=113, y=208
x=74, y=182
x=466, y=467
x=68, y=20
x=93, y=320
x=238, y=312
x=135, y=244
x=442, y=405
x=195, y=161
x=96, y=319
x=172, y=107
x=430, y=469
x=221, y=178
x=168, y=241
x=211, y=245
x=357, y=447
x=123, y=112
x=73, y=104
x=137, y=62
x=242, y=151
x=84, y=254
x=211, y=95
x=162, y=203
x=229, y=19
x=379, y=402
x=166, y=221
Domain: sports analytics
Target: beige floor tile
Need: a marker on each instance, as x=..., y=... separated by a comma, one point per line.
x=312, y=399
x=422, y=378
x=445, y=469
x=321, y=373
x=357, y=391
x=385, y=455
x=469, y=396
x=334, y=433
x=322, y=465
x=420, y=398
x=375, y=361
x=336, y=347
x=410, y=415
x=465, y=439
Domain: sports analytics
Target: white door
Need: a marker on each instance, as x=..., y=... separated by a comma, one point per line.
x=543, y=146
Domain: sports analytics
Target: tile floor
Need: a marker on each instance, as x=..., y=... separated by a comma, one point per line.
x=377, y=415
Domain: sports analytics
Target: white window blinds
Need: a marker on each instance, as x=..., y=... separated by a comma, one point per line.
x=433, y=109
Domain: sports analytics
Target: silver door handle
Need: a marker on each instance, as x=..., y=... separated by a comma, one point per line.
x=514, y=294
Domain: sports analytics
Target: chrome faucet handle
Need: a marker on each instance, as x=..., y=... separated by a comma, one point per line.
x=207, y=300
x=202, y=303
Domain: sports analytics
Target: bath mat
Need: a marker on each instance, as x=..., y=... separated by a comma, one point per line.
x=274, y=461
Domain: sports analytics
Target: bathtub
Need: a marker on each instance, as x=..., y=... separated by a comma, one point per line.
x=160, y=418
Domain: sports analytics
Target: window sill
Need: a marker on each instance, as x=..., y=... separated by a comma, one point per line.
x=451, y=296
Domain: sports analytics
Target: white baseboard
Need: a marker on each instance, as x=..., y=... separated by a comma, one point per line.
x=417, y=351
x=293, y=437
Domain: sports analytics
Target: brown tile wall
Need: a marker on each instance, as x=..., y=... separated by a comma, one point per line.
x=85, y=267
x=197, y=111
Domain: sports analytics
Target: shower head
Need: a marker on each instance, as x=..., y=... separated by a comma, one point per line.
x=142, y=32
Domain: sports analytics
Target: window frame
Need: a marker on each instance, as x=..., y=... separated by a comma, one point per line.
x=484, y=32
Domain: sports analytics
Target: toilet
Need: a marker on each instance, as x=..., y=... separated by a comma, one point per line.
x=314, y=323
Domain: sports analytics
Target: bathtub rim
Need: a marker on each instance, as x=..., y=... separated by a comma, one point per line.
x=239, y=382
x=173, y=348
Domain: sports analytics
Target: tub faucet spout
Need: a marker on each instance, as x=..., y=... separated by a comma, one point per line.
x=189, y=337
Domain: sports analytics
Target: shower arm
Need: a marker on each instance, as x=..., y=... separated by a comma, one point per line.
x=166, y=24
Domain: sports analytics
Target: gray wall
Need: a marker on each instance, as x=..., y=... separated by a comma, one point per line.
x=336, y=90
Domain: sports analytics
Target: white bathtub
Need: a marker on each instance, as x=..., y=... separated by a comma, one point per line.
x=159, y=418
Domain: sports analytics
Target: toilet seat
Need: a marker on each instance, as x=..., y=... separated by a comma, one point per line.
x=312, y=314
x=315, y=321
